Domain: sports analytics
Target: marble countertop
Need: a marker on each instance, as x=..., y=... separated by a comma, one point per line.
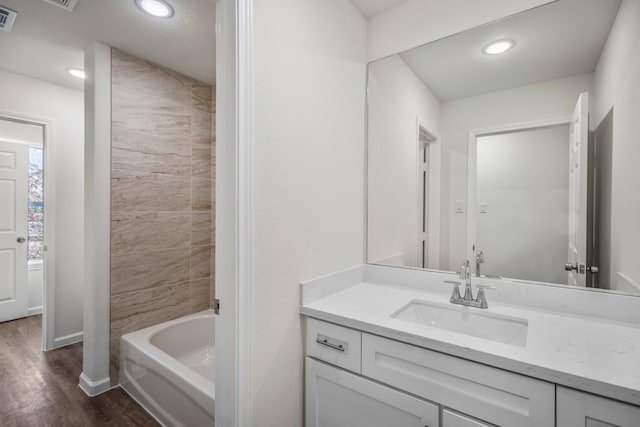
x=594, y=355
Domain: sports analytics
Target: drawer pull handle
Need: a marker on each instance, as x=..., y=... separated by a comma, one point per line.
x=332, y=343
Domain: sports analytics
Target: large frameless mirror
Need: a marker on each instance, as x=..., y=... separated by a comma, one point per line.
x=512, y=145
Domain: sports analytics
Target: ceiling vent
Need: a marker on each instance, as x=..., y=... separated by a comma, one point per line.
x=65, y=4
x=7, y=17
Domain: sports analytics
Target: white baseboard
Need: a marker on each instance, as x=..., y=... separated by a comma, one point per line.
x=67, y=340
x=32, y=311
x=94, y=388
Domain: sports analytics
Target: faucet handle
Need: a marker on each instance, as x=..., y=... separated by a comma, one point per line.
x=455, y=295
x=481, y=299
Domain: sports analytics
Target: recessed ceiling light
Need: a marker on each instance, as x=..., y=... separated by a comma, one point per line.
x=157, y=8
x=76, y=72
x=498, y=47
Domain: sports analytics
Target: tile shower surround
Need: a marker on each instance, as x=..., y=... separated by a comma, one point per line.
x=162, y=172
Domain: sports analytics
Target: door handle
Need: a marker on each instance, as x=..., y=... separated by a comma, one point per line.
x=593, y=269
x=21, y=239
x=570, y=267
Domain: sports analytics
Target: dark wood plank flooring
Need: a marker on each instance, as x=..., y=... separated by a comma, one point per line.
x=41, y=389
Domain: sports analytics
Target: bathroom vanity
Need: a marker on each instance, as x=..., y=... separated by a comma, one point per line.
x=385, y=347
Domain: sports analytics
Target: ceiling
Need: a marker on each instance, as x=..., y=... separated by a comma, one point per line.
x=46, y=39
x=371, y=8
x=557, y=40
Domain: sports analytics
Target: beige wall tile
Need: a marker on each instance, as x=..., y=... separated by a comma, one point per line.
x=140, y=191
x=143, y=231
x=163, y=157
x=149, y=114
x=200, y=123
x=201, y=156
x=135, y=151
x=200, y=194
x=136, y=310
x=202, y=98
x=140, y=270
x=135, y=74
x=201, y=227
x=200, y=294
x=200, y=262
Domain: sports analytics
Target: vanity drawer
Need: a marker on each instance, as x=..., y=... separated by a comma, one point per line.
x=490, y=394
x=334, y=344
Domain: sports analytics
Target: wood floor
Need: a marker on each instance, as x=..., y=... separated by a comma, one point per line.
x=41, y=389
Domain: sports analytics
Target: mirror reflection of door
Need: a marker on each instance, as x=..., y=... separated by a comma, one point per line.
x=425, y=141
x=600, y=186
x=578, y=182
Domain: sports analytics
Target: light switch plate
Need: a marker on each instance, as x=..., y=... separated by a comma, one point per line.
x=459, y=206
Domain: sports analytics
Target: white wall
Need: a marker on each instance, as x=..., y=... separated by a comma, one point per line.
x=309, y=77
x=523, y=180
x=542, y=101
x=617, y=85
x=21, y=132
x=24, y=95
x=417, y=22
x=396, y=97
x=94, y=378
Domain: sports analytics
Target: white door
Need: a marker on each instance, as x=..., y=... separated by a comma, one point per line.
x=578, y=181
x=336, y=398
x=13, y=230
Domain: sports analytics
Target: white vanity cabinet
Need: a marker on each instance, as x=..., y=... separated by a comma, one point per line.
x=337, y=398
x=452, y=419
x=357, y=379
x=404, y=385
x=579, y=409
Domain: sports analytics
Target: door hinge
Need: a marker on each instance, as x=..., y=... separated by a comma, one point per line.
x=216, y=306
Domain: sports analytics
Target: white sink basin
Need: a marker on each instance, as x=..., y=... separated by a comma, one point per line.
x=466, y=320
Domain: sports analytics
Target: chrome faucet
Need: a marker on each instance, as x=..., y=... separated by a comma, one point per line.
x=479, y=260
x=465, y=274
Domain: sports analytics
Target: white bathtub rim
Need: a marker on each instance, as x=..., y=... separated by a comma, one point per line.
x=142, y=342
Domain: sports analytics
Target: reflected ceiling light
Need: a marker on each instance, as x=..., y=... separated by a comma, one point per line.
x=157, y=8
x=76, y=72
x=498, y=47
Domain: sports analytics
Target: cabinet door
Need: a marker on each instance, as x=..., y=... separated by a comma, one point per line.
x=337, y=398
x=579, y=409
x=452, y=419
x=496, y=396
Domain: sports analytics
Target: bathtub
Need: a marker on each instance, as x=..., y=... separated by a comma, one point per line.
x=168, y=369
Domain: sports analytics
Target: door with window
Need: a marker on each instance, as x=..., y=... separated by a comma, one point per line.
x=13, y=230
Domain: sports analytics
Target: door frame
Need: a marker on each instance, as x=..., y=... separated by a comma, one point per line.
x=472, y=154
x=234, y=214
x=432, y=143
x=48, y=286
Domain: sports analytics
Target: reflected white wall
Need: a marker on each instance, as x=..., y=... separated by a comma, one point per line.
x=617, y=86
x=523, y=188
x=396, y=97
